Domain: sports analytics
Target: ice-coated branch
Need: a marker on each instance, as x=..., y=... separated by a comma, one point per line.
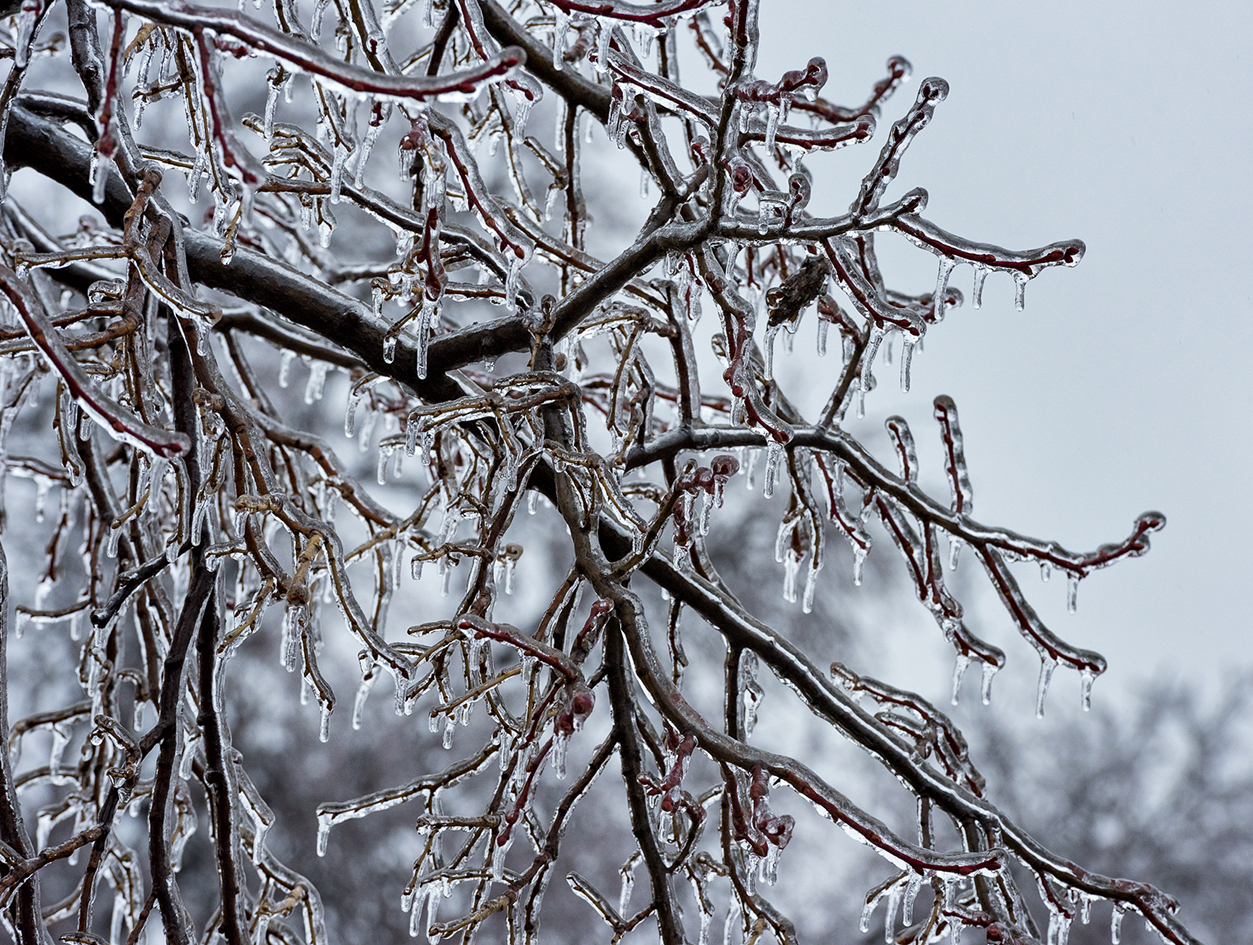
x=411, y=236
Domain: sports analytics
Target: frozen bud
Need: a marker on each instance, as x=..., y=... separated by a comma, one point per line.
x=571, y=718
x=799, y=189
x=601, y=607
x=778, y=830
x=724, y=466
x=703, y=478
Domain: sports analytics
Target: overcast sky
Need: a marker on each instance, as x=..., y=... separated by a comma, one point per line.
x=1124, y=386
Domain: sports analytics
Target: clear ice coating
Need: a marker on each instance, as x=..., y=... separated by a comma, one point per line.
x=480, y=240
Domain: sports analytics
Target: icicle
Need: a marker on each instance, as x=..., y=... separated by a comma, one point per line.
x=954, y=551
x=603, y=36
x=907, y=357
x=867, y=362
x=823, y=325
x=859, y=558
x=350, y=414
x=989, y=672
x=911, y=893
x=791, y=566
x=367, y=145
x=389, y=347
x=976, y=292
x=367, y=430
x=867, y=911
x=774, y=453
x=1086, y=677
x=514, y=276
x=337, y=171
x=1115, y=923
x=1020, y=291
x=428, y=318
x=99, y=178
x=1072, y=592
x=324, y=724
x=941, y=287
x=773, y=114
x=315, y=24
x=560, y=29
x=317, y=381
x=959, y=672
x=115, y=533
x=324, y=831
x=284, y=367
x=1047, y=666
x=561, y=741
x=271, y=107
x=771, y=333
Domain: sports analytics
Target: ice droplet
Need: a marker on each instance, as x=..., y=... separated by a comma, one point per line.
x=1042, y=686
x=389, y=347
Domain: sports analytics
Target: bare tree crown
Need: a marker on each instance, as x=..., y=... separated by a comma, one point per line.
x=195, y=509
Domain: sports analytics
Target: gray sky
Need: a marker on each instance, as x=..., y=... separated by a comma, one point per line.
x=1123, y=386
